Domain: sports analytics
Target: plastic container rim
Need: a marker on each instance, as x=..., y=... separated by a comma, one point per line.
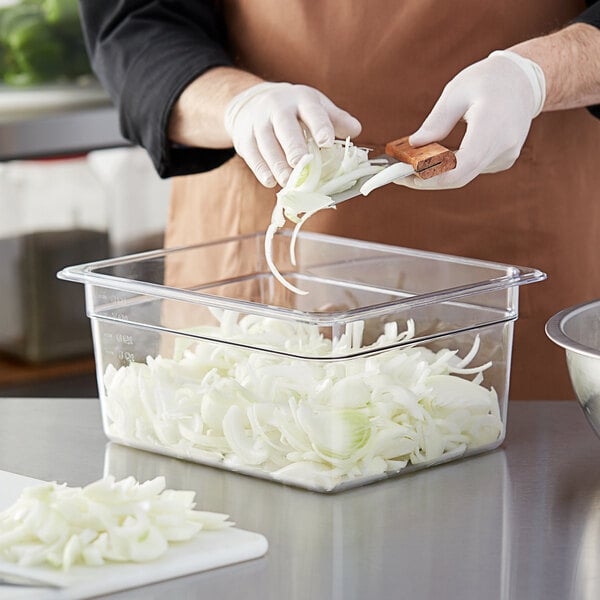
x=85, y=273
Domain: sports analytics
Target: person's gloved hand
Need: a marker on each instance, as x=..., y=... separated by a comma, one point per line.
x=497, y=97
x=266, y=123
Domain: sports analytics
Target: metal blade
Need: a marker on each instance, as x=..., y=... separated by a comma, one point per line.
x=364, y=185
x=350, y=192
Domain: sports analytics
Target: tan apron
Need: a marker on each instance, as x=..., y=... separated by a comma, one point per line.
x=386, y=61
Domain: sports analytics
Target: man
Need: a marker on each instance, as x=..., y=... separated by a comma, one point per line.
x=175, y=67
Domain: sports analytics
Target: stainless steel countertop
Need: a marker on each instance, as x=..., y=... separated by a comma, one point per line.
x=522, y=522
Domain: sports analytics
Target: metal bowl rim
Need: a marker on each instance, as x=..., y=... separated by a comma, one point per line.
x=554, y=329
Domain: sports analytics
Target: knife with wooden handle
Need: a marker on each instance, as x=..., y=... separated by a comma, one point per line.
x=401, y=160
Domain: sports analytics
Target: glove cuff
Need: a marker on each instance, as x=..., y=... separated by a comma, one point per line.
x=534, y=73
x=238, y=102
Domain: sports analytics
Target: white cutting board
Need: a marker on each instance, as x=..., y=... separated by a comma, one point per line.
x=208, y=550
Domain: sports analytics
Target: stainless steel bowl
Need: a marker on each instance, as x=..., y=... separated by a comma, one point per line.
x=577, y=330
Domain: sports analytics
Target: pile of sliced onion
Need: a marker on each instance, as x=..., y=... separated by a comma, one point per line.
x=319, y=174
x=105, y=521
x=315, y=423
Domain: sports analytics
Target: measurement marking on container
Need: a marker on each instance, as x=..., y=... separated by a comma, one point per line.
x=125, y=339
x=128, y=356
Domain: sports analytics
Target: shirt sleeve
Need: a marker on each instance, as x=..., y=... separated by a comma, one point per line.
x=591, y=16
x=145, y=52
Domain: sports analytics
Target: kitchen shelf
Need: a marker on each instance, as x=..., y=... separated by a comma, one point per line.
x=46, y=122
x=58, y=120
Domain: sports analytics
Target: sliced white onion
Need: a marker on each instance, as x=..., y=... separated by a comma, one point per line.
x=319, y=174
x=345, y=419
x=107, y=520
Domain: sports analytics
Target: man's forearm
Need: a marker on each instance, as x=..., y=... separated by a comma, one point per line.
x=570, y=59
x=197, y=118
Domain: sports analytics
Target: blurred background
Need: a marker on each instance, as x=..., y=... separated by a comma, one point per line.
x=71, y=191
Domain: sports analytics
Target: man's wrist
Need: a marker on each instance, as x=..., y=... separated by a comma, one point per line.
x=568, y=59
x=197, y=118
x=246, y=96
x=534, y=74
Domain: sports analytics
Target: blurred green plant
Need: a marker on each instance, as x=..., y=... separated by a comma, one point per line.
x=41, y=41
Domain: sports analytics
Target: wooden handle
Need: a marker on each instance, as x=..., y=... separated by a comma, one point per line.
x=427, y=161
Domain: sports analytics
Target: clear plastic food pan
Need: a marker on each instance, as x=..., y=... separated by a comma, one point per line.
x=395, y=359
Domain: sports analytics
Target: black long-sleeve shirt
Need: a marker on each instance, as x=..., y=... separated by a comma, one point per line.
x=591, y=16
x=146, y=52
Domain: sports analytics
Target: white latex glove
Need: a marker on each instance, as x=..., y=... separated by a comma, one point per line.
x=265, y=123
x=497, y=97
